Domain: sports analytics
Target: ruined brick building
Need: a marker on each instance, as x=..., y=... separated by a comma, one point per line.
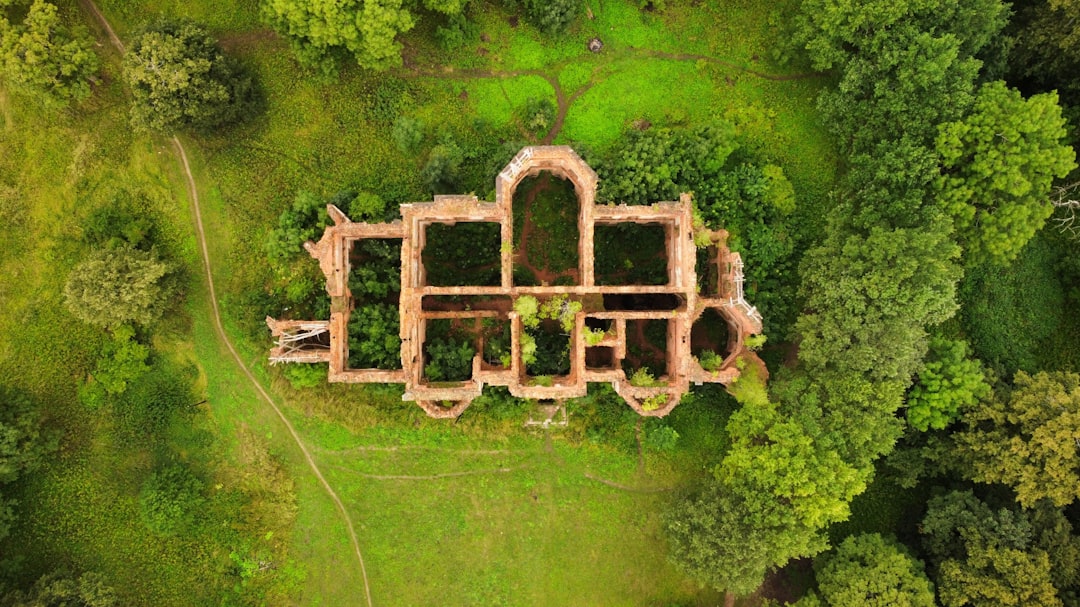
x=612, y=308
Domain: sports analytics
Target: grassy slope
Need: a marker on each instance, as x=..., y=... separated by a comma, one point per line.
x=537, y=535
x=83, y=502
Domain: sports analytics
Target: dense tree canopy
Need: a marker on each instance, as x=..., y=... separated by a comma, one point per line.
x=180, y=79
x=905, y=66
x=1046, y=53
x=871, y=297
x=790, y=479
x=985, y=557
x=870, y=571
x=1029, y=439
x=998, y=164
x=751, y=201
x=112, y=287
x=44, y=58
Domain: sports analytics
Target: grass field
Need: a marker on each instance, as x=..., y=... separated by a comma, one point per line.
x=487, y=513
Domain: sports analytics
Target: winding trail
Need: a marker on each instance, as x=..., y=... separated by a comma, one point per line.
x=247, y=372
x=220, y=328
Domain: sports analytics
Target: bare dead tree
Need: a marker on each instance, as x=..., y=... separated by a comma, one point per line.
x=1066, y=205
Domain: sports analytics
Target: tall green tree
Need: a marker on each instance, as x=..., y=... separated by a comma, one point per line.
x=1029, y=439
x=948, y=382
x=790, y=479
x=998, y=164
x=46, y=59
x=870, y=298
x=870, y=571
x=320, y=31
x=701, y=529
x=180, y=80
x=112, y=287
x=1046, y=54
x=985, y=557
x=998, y=577
x=904, y=66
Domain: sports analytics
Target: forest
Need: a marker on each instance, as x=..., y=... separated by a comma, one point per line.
x=900, y=178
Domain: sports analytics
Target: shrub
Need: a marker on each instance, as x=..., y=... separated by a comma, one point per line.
x=374, y=341
x=655, y=402
x=112, y=287
x=58, y=589
x=552, y=16
x=440, y=172
x=594, y=336
x=22, y=443
x=366, y=206
x=644, y=379
x=408, y=134
x=169, y=500
x=122, y=361
x=561, y=309
x=710, y=361
x=120, y=223
x=455, y=32
x=152, y=401
x=302, y=221
x=660, y=437
x=302, y=376
x=538, y=115
x=755, y=342
x=450, y=360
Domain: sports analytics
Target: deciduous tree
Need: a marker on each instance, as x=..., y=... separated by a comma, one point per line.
x=870, y=571
x=1028, y=439
x=792, y=481
x=985, y=557
x=44, y=58
x=870, y=298
x=998, y=165
x=320, y=31
x=180, y=79
x=703, y=529
x=948, y=381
